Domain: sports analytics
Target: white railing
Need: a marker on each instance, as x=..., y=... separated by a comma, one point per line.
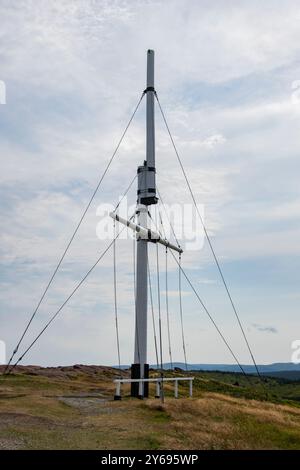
x=158, y=381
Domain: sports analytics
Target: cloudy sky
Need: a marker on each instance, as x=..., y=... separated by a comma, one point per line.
x=228, y=78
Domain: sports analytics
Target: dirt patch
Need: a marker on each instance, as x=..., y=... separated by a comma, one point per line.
x=90, y=405
x=11, y=444
x=11, y=419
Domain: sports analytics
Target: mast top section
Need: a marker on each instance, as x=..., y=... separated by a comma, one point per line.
x=146, y=172
x=150, y=70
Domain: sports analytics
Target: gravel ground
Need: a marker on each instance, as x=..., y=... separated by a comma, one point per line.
x=91, y=405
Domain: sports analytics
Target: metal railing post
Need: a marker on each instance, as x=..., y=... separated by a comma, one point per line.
x=118, y=390
x=176, y=389
x=158, y=388
x=141, y=386
x=157, y=394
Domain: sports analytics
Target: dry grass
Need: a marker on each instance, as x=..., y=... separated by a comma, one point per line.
x=73, y=409
x=220, y=422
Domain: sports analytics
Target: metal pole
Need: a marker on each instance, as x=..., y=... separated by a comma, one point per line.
x=157, y=394
x=150, y=126
x=176, y=389
x=146, y=196
x=118, y=391
x=140, y=349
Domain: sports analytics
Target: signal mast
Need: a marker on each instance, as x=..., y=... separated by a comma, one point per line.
x=146, y=196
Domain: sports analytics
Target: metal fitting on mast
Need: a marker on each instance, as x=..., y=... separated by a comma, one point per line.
x=146, y=185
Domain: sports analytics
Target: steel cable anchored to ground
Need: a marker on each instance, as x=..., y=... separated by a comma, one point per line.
x=208, y=238
x=74, y=234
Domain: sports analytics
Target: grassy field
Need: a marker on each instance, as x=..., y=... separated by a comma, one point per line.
x=72, y=408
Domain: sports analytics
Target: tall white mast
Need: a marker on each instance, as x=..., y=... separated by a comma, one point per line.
x=150, y=126
x=146, y=196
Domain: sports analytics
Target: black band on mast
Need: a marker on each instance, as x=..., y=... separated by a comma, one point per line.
x=149, y=88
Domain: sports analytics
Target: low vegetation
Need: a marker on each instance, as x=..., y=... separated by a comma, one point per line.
x=73, y=408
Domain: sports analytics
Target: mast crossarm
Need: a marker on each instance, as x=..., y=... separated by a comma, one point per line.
x=146, y=234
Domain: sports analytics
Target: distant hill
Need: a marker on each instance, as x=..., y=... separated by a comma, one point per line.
x=287, y=370
x=277, y=366
x=284, y=374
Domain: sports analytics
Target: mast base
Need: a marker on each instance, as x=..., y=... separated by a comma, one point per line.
x=136, y=374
